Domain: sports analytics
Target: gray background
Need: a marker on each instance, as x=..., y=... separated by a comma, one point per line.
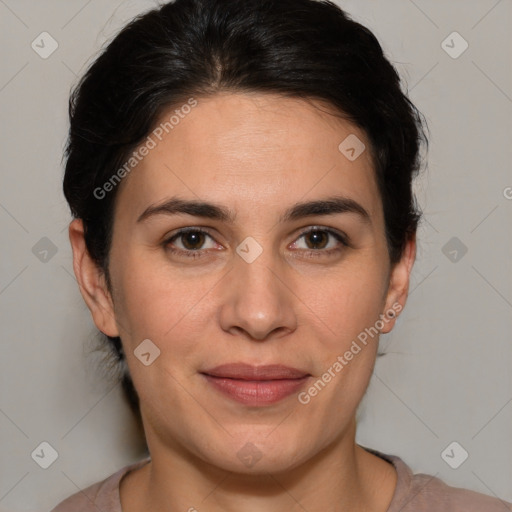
x=446, y=376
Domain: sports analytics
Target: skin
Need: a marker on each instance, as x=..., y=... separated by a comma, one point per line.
x=256, y=154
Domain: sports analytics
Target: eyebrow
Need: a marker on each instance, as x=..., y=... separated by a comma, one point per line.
x=328, y=206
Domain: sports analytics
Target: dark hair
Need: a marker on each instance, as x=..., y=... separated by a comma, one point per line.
x=304, y=49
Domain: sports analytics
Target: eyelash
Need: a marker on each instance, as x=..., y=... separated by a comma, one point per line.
x=313, y=253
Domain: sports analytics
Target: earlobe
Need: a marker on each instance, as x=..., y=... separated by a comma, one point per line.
x=399, y=285
x=91, y=281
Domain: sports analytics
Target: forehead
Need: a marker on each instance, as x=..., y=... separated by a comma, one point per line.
x=255, y=150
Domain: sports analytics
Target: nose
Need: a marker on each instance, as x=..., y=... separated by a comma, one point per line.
x=258, y=300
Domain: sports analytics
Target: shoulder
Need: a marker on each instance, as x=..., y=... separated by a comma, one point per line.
x=419, y=492
x=429, y=492
x=102, y=495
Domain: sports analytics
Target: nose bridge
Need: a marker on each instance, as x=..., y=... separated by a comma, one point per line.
x=257, y=300
x=258, y=279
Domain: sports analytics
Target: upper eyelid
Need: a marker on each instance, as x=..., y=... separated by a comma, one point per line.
x=184, y=231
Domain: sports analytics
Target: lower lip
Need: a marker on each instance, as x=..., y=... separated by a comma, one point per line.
x=256, y=392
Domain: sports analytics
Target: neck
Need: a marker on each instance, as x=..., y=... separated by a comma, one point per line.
x=342, y=476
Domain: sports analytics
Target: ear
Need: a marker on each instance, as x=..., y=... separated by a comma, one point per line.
x=91, y=281
x=398, y=288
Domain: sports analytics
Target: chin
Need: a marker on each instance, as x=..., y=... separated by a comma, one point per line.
x=259, y=453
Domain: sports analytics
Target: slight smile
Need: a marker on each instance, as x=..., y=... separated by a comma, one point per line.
x=256, y=385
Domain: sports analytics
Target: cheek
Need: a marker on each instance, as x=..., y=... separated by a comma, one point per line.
x=346, y=312
x=158, y=302
x=346, y=302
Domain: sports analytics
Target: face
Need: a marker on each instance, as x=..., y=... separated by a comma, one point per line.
x=256, y=281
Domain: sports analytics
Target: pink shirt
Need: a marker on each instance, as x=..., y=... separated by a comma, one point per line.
x=413, y=493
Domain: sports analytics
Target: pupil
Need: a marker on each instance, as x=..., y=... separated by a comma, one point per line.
x=192, y=237
x=317, y=236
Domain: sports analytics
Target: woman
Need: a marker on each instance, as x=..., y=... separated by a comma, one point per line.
x=240, y=175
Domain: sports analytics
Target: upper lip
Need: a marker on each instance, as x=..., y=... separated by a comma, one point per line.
x=243, y=371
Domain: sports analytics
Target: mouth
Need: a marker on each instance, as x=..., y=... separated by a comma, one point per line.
x=256, y=385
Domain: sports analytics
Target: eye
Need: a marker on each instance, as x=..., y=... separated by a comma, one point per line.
x=321, y=241
x=190, y=242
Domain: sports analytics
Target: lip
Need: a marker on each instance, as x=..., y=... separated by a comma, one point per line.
x=256, y=385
